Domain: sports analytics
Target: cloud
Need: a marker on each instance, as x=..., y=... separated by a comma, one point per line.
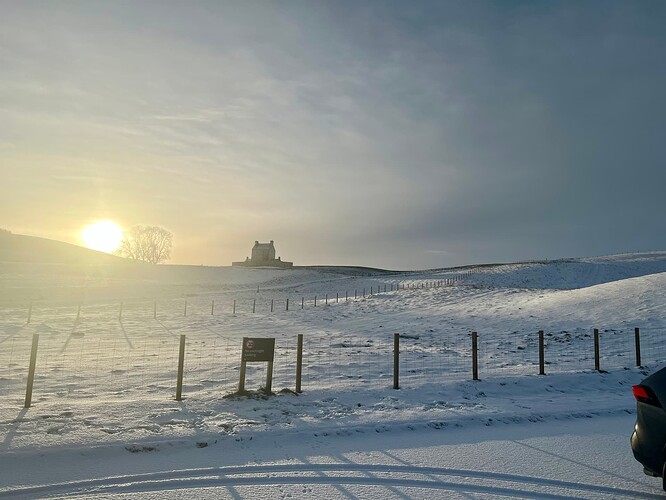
x=439, y=132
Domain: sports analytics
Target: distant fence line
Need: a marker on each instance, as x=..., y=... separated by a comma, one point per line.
x=160, y=366
x=246, y=304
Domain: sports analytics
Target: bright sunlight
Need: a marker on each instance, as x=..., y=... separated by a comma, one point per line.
x=104, y=236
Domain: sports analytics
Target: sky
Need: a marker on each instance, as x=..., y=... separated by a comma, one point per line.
x=401, y=135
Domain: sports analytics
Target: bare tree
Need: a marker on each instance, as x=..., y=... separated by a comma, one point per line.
x=148, y=243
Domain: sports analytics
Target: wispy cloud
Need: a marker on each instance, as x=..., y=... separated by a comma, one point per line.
x=437, y=132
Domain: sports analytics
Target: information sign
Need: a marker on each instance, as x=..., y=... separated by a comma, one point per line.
x=258, y=349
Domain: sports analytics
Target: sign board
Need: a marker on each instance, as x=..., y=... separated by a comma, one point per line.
x=255, y=349
x=258, y=349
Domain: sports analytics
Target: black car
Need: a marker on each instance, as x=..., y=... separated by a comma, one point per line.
x=648, y=442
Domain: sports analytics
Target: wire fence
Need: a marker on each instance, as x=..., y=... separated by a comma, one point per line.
x=138, y=359
x=132, y=349
x=241, y=303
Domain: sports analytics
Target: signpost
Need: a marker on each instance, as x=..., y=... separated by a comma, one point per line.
x=257, y=350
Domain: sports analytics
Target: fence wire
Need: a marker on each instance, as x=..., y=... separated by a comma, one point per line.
x=131, y=350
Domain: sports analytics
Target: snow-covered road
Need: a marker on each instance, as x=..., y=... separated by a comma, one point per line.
x=580, y=458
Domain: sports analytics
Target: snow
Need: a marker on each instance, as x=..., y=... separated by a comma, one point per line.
x=104, y=419
x=521, y=461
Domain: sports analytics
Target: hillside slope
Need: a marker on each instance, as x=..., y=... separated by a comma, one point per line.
x=21, y=248
x=567, y=274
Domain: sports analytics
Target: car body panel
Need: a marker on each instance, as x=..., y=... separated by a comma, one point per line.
x=648, y=441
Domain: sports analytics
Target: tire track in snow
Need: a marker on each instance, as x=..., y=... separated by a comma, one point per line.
x=293, y=474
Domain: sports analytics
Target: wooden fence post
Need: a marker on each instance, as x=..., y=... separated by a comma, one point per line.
x=78, y=313
x=475, y=357
x=637, y=338
x=212, y=307
x=29, y=312
x=542, y=361
x=315, y=301
x=596, y=350
x=337, y=297
x=254, y=305
x=181, y=366
x=326, y=299
x=234, y=310
x=185, y=310
x=31, y=371
x=302, y=302
x=155, y=310
x=243, y=367
x=269, y=378
x=396, y=361
x=271, y=305
x=120, y=312
x=299, y=362
x=286, y=308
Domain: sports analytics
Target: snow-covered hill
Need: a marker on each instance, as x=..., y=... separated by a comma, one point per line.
x=106, y=371
x=568, y=274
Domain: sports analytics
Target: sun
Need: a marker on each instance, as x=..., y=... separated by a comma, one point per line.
x=104, y=236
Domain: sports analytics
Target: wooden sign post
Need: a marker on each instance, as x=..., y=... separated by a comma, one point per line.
x=257, y=350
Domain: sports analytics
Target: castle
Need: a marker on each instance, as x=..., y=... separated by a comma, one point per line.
x=263, y=255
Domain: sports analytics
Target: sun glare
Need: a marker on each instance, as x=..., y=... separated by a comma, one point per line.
x=104, y=236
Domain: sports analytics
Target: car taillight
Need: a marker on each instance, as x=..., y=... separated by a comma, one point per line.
x=644, y=394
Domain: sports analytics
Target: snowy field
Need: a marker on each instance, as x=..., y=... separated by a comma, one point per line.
x=104, y=419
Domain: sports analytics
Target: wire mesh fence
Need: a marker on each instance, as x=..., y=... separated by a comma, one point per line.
x=442, y=357
x=137, y=357
x=262, y=301
x=347, y=361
